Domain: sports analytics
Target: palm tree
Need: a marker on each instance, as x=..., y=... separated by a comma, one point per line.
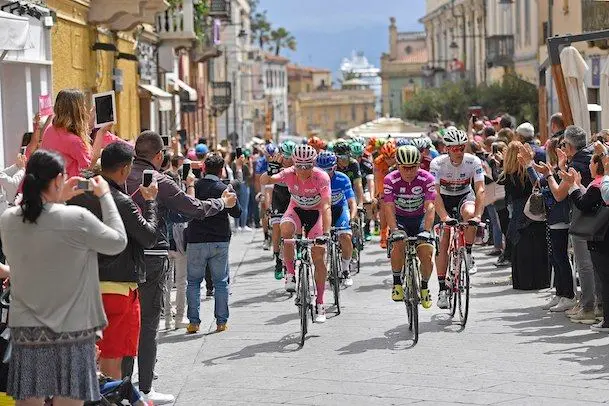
x=261, y=28
x=347, y=76
x=281, y=38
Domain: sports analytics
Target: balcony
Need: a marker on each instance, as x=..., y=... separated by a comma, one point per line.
x=124, y=15
x=176, y=26
x=499, y=50
x=220, y=9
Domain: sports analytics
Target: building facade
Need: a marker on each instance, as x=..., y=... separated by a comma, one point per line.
x=359, y=66
x=275, y=76
x=402, y=69
x=329, y=113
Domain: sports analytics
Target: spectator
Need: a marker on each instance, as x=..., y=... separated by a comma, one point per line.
x=242, y=172
x=507, y=121
x=505, y=135
x=69, y=133
x=208, y=243
x=149, y=156
x=56, y=307
x=201, y=150
x=557, y=125
x=526, y=135
x=120, y=274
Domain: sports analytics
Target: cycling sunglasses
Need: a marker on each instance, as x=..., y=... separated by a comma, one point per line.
x=343, y=156
x=408, y=167
x=303, y=166
x=456, y=148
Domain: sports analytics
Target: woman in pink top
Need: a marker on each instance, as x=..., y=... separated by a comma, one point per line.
x=69, y=132
x=308, y=211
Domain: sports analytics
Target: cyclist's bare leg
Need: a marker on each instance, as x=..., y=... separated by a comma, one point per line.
x=287, y=231
x=467, y=212
x=397, y=255
x=425, y=254
x=30, y=402
x=276, y=237
x=442, y=257
x=318, y=254
x=346, y=245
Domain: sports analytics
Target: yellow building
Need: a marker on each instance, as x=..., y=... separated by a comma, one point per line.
x=93, y=49
x=330, y=112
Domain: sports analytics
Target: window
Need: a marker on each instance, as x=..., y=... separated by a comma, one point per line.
x=408, y=50
x=517, y=30
x=527, y=23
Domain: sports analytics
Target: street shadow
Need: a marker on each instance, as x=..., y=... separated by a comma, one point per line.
x=255, y=260
x=370, y=288
x=255, y=272
x=274, y=296
x=282, y=319
x=177, y=336
x=389, y=341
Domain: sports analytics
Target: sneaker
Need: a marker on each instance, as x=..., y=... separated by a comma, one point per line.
x=503, y=262
x=290, y=284
x=584, y=317
x=347, y=281
x=574, y=310
x=320, y=313
x=248, y=229
x=266, y=245
x=495, y=253
x=239, y=229
x=367, y=236
x=397, y=294
x=553, y=302
x=192, y=328
x=443, y=299
x=598, y=312
x=473, y=270
x=563, y=305
x=600, y=327
x=425, y=298
x=278, y=271
x=157, y=398
x=221, y=327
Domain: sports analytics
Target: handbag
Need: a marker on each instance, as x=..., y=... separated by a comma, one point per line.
x=590, y=226
x=535, y=207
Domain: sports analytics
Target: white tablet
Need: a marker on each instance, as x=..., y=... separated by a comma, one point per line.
x=105, y=108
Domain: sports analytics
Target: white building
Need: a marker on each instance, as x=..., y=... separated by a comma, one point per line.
x=365, y=71
x=275, y=78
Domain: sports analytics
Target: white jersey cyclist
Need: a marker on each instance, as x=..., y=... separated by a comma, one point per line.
x=456, y=180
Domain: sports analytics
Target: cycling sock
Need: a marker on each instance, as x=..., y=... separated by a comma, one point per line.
x=320, y=293
x=442, y=282
x=424, y=285
x=289, y=265
x=345, y=264
x=468, y=248
x=397, y=277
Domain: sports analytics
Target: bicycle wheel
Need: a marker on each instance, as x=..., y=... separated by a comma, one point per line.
x=312, y=292
x=303, y=302
x=411, y=299
x=454, y=272
x=336, y=272
x=463, y=293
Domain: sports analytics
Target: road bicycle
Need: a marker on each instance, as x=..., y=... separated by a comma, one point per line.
x=457, y=275
x=335, y=268
x=411, y=279
x=358, y=238
x=305, y=288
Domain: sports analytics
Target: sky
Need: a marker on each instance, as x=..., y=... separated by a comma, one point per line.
x=328, y=30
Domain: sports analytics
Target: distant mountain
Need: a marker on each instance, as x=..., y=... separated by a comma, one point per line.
x=329, y=30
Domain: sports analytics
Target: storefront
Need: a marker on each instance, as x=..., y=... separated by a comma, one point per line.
x=24, y=76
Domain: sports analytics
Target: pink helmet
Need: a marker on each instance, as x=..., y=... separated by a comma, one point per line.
x=191, y=154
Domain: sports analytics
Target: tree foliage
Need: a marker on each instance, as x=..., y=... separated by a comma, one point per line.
x=263, y=33
x=450, y=101
x=282, y=38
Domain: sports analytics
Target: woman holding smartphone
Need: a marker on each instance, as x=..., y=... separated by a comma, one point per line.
x=56, y=307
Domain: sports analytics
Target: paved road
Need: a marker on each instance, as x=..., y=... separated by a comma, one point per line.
x=511, y=352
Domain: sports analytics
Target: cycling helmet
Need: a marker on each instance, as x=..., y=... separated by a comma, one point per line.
x=317, y=143
x=357, y=149
x=287, y=148
x=330, y=146
x=428, y=142
x=326, y=160
x=452, y=136
x=408, y=155
x=304, y=154
x=380, y=142
x=341, y=147
x=402, y=141
x=419, y=143
x=271, y=149
x=357, y=139
x=388, y=149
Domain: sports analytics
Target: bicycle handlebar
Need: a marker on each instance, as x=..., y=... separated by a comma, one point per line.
x=456, y=223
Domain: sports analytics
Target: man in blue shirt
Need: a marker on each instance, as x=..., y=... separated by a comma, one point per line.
x=344, y=208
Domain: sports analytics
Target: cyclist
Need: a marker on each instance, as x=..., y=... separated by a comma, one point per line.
x=454, y=173
x=409, y=196
x=366, y=167
x=279, y=198
x=309, y=209
x=344, y=208
x=317, y=143
x=382, y=165
x=423, y=144
x=349, y=167
x=261, y=166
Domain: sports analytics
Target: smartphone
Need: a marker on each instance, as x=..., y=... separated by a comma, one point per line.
x=147, y=177
x=475, y=111
x=238, y=152
x=226, y=181
x=105, y=108
x=23, y=150
x=84, y=185
x=185, y=170
x=196, y=172
x=495, y=148
x=165, y=140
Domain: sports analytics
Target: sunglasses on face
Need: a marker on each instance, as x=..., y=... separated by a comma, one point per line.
x=456, y=148
x=408, y=167
x=304, y=166
x=342, y=156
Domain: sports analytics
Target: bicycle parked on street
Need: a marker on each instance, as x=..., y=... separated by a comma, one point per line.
x=411, y=279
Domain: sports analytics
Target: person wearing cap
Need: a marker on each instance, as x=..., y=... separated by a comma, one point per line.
x=525, y=133
x=201, y=150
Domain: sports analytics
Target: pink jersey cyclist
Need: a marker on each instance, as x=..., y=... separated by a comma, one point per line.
x=306, y=199
x=409, y=198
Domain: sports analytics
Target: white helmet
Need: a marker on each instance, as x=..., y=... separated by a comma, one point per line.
x=452, y=136
x=304, y=154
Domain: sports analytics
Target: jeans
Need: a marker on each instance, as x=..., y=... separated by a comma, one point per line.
x=585, y=270
x=494, y=218
x=244, y=201
x=178, y=262
x=199, y=256
x=563, y=277
x=601, y=268
x=151, y=302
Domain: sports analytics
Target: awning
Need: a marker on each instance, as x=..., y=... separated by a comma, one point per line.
x=163, y=97
x=192, y=93
x=14, y=32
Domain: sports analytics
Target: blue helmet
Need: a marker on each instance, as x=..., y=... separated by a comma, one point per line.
x=326, y=160
x=402, y=141
x=271, y=149
x=201, y=149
